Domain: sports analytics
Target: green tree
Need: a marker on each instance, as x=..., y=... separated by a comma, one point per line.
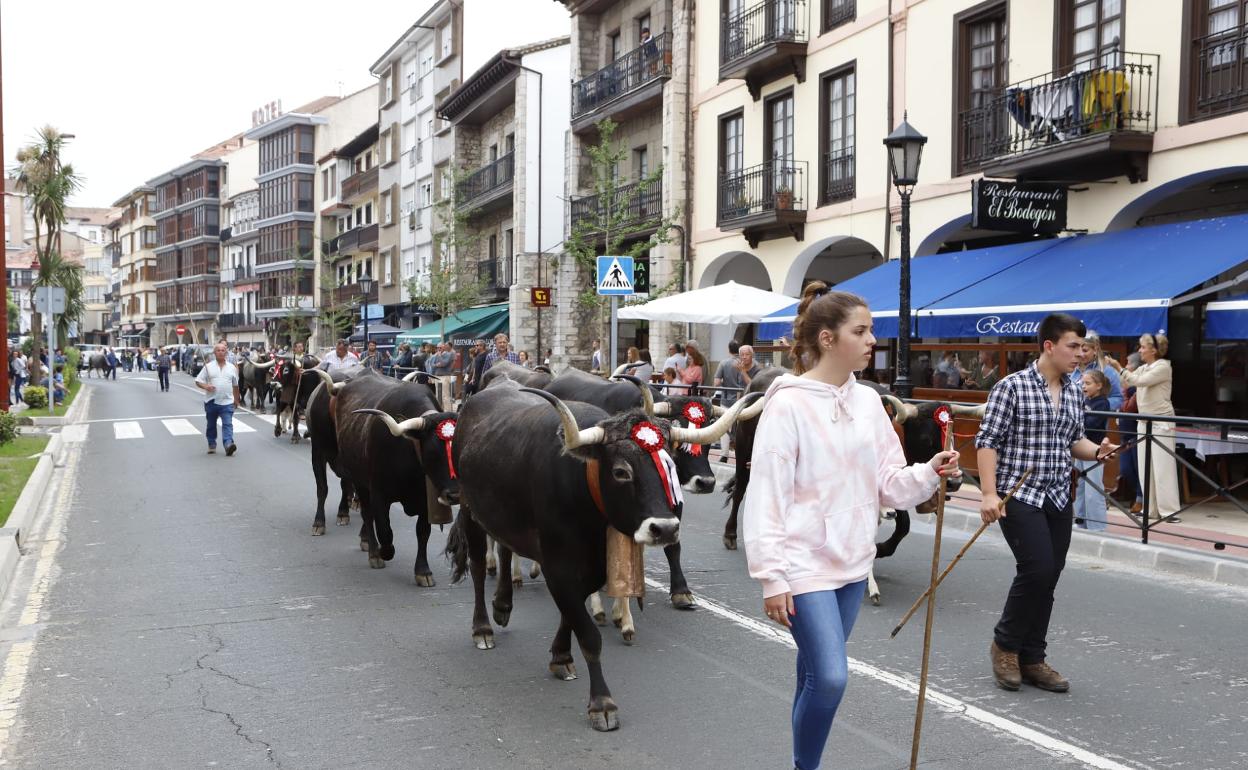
x=335, y=316
x=454, y=282
x=49, y=183
x=14, y=314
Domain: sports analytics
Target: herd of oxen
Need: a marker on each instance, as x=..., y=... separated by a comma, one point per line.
x=542, y=466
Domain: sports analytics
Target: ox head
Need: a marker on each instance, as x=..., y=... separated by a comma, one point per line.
x=632, y=454
x=922, y=427
x=693, y=461
x=431, y=435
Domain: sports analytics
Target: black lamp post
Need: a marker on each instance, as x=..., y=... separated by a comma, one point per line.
x=366, y=288
x=905, y=148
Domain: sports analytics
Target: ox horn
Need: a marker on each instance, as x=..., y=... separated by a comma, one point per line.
x=573, y=435
x=647, y=398
x=413, y=376
x=966, y=410
x=624, y=367
x=901, y=410
x=711, y=433
x=751, y=411
x=399, y=429
x=266, y=365
x=662, y=408
x=330, y=385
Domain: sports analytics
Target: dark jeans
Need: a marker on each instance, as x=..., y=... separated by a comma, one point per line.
x=1039, y=539
x=225, y=412
x=163, y=374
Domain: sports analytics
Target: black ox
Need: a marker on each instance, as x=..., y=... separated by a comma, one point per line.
x=293, y=379
x=529, y=476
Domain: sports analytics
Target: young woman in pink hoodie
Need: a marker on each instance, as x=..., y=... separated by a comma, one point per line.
x=826, y=458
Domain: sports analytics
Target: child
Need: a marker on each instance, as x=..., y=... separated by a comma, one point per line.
x=1091, y=513
x=825, y=459
x=669, y=375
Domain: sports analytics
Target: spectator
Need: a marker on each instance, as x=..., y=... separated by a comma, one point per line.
x=405, y=357
x=692, y=374
x=420, y=359
x=986, y=373
x=1153, y=380
x=58, y=387
x=371, y=360
x=675, y=357
x=949, y=367
x=735, y=378
x=649, y=51
x=595, y=359
x=340, y=358
x=476, y=369
x=1092, y=362
x=442, y=362
x=728, y=363
x=550, y=353
x=669, y=375
x=111, y=357
x=646, y=370
x=525, y=361
x=20, y=373
x=1091, y=513
x=501, y=352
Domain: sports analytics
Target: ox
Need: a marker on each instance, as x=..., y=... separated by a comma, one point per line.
x=538, y=377
x=386, y=460
x=547, y=483
x=254, y=379
x=294, y=379
x=98, y=362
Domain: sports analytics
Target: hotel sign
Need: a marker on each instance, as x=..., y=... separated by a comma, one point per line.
x=266, y=112
x=1021, y=207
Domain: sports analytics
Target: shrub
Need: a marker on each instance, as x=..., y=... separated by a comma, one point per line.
x=8, y=427
x=36, y=397
x=72, y=356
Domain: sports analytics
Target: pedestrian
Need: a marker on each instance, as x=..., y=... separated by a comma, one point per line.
x=595, y=359
x=20, y=373
x=550, y=353
x=340, y=358
x=219, y=379
x=675, y=357
x=810, y=543
x=163, y=362
x=1034, y=420
x=1153, y=381
x=110, y=356
x=692, y=373
x=1091, y=512
x=371, y=360
x=735, y=375
x=646, y=369
x=1092, y=361
x=501, y=352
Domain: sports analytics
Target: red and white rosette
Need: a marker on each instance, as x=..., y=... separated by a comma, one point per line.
x=944, y=418
x=696, y=415
x=649, y=437
x=446, y=434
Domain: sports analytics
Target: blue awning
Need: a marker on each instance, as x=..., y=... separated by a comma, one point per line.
x=1227, y=319
x=1121, y=284
x=932, y=278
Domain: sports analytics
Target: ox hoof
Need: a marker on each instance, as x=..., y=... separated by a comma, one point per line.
x=376, y=562
x=318, y=529
x=276, y=431
x=491, y=570
x=535, y=571
x=387, y=552
x=343, y=520
x=563, y=671
x=603, y=715
x=502, y=616
x=683, y=600
x=295, y=438
x=628, y=636
x=484, y=640
x=730, y=542
x=619, y=622
x=601, y=618
x=517, y=581
x=425, y=581
x=363, y=544
x=875, y=599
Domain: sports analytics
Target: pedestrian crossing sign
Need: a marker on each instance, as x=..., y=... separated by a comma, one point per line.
x=615, y=276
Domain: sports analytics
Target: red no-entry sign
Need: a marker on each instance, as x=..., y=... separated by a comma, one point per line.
x=180, y=330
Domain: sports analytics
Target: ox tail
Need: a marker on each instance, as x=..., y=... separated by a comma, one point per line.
x=457, y=547
x=901, y=521
x=730, y=489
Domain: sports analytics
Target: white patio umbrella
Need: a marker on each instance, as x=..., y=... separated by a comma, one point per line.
x=727, y=303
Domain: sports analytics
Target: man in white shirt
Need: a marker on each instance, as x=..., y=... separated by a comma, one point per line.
x=675, y=358
x=340, y=358
x=219, y=379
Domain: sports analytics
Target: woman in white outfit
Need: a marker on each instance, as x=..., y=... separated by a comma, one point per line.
x=1152, y=381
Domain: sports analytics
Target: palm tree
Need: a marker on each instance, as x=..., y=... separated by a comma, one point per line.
x=48, y=184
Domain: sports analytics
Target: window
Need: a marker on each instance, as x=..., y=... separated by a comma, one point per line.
x=641, y=162
x=643, y=26
x=779, y=129
x=613, y=47
x=731, y=144
x=387, y=275
x=837, y=168
x=426, y=193
x=1091, y=33
x=446, y=43
x=388, y=80
x=982, y=59
x=385, y=208
x=368, y=213
x=1216, y=79
x=838, y=12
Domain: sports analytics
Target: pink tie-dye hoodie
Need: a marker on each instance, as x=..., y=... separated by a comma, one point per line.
x=825, y=460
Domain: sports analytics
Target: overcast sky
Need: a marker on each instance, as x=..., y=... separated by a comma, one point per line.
x=144, y=84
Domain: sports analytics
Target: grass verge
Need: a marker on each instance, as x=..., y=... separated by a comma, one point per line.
x=61, y=409
x=16, y=465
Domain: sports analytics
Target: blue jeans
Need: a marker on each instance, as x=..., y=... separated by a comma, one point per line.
x=163, y=375
x=1089, y=503
x=226, y=413
x=821, y=627
x=18, y=382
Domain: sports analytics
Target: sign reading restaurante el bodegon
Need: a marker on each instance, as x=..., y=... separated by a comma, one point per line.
x=1024, y=207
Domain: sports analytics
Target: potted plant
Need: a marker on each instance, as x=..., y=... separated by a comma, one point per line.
x=784, y=197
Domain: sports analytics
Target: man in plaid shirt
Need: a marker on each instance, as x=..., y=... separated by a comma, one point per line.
x=501, y=353
x=1034, y=419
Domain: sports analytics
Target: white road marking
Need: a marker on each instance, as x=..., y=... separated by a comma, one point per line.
x=137, y=419
x=180, y=427
x=127, y=430
x=271, y=419
x=242, y=427
x=75, y=433
x=910, y=686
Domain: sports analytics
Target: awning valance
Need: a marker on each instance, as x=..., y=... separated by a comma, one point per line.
x=453, y=324
x=1227, y=319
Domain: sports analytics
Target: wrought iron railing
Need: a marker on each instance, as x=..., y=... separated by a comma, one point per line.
x=627, y=205
x=837, y=12
x=1221, y=80
x=351, y=294
x=761, y=25
x=838, y=176
x=495, y=274
x=237, y=322
x=769, y=187
x=1119, y=95
x=488, y=178
x=647, y=62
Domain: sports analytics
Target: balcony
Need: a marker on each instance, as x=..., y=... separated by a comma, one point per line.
x=764, y=202
x=232, y=275
x=634, y=208
x=285, y=303
x=355, y=240
x=764, y=42
x=1079, y=126
x=838, y=180
x=626, y=86
x=1221, y=77
x=238, y=322
x=351, y=294
x=358, y=185
x=495, y=278
x=489, y=187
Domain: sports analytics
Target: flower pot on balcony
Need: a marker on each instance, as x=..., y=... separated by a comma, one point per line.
x=784, y=199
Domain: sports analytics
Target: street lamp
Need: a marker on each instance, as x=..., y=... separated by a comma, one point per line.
x=905, y=148
x=366, y=288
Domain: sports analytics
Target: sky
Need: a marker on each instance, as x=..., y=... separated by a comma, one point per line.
x=144, y=84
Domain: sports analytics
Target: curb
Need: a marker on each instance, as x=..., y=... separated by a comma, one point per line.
x=1227, y=570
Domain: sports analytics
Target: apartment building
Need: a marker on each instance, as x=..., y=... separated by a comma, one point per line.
x=631, y=65
x=507, y=122
x=352, y=216
x=95, y=325
x=240, y=242
x=133, y=243
x=19, y=220
x=1130, y=111
x=187, y=216
x=421, y=68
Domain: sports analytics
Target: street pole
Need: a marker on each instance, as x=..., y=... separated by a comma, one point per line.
x=51, y=356
x=4, y=289
x=615, y=332
x=902, y=382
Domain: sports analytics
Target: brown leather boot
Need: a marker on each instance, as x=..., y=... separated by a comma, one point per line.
x=1005, y=668
x=1043, y=676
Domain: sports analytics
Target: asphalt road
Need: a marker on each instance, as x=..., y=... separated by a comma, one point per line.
x=176, y=612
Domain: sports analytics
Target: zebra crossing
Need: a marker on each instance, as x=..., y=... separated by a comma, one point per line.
x=123, y=430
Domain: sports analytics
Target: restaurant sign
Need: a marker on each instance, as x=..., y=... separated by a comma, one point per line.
x=1022, y=207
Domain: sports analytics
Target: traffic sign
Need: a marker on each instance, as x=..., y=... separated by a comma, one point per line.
x=615, y=276
x=180, y=329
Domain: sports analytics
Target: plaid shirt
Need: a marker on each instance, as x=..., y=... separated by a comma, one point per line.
x=1022, y=426
x=493, y=357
